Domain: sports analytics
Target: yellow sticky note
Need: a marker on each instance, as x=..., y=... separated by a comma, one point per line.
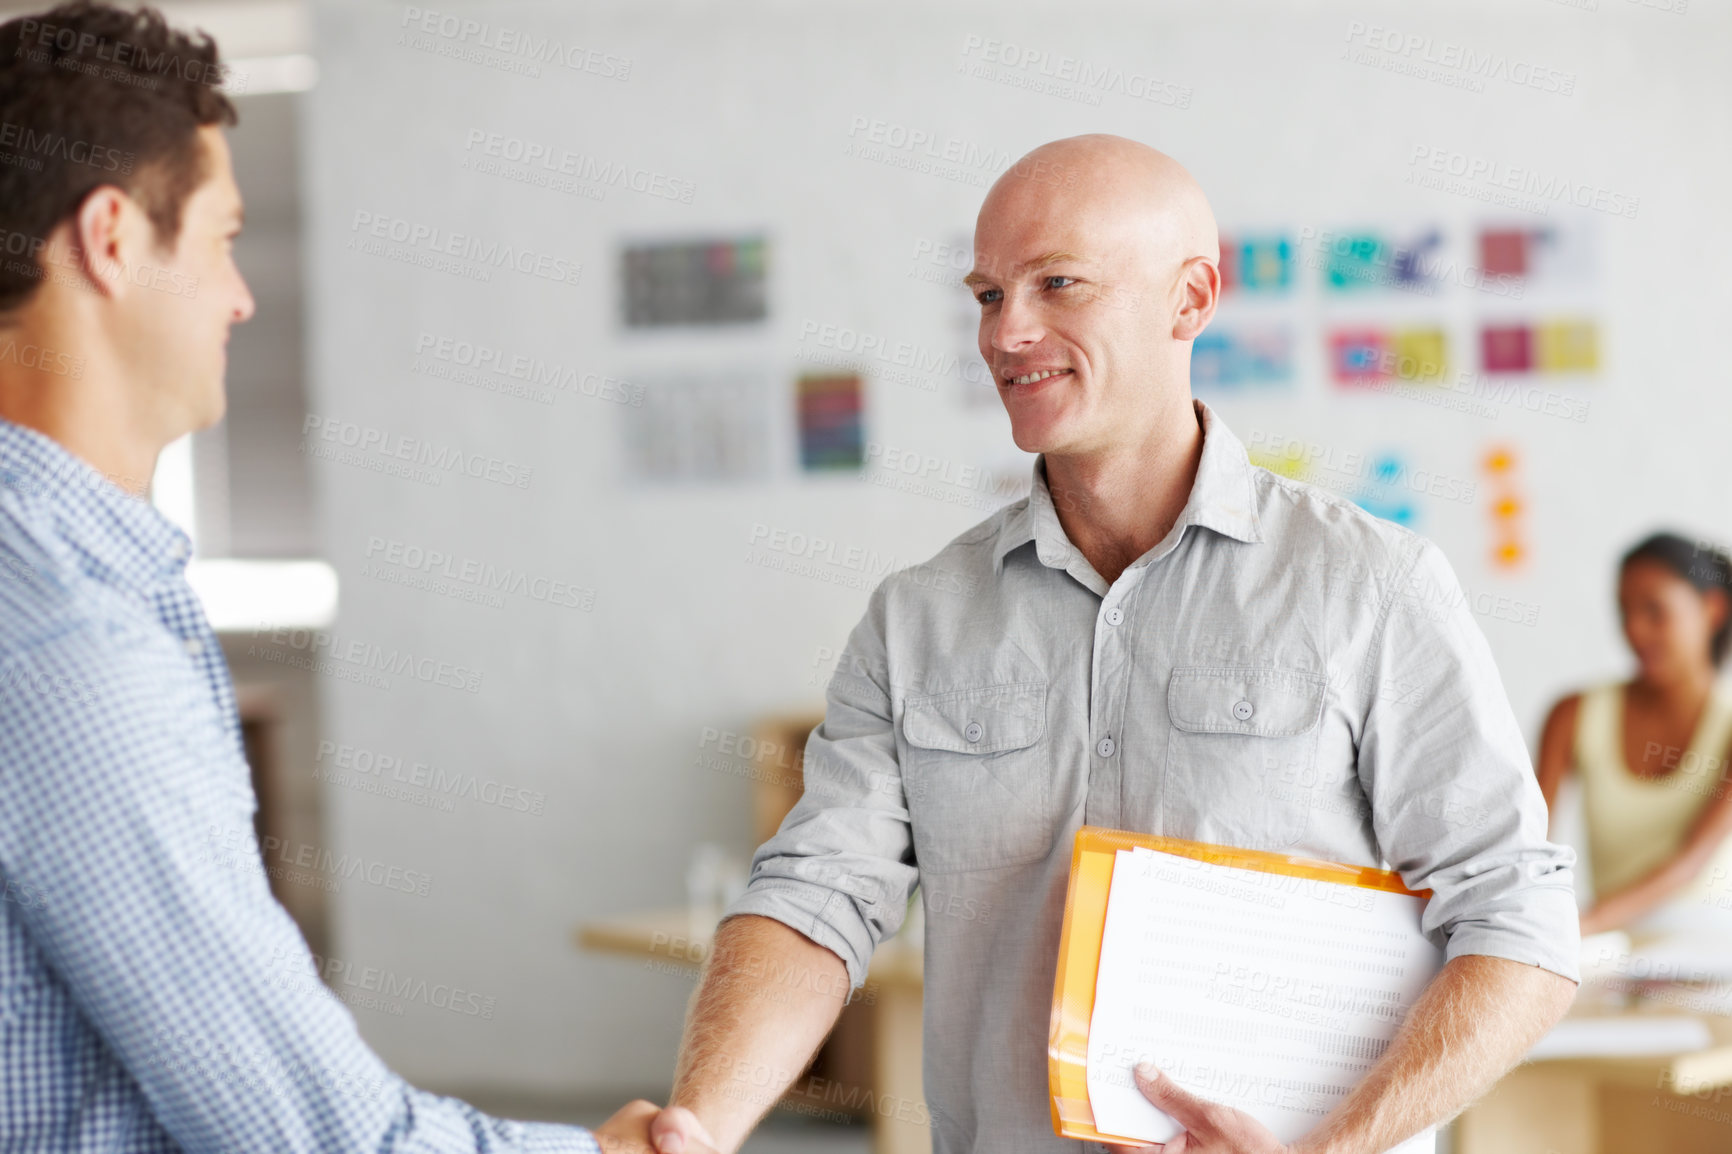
x=1567, y=347
x=1420, y=354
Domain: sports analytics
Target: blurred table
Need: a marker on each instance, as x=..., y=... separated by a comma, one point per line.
x=1674, y=1102
x=896, y=977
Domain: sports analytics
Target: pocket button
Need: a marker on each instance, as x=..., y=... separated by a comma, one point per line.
x=1242, y=710
x=974, y=732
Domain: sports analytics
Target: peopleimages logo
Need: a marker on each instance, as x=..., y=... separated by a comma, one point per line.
x=873, y=349
x=475, y=572
x=342, y=979
x=120, y=60
x=241, y=844
x=346, y=761
x=321, y=647
x=367, y=440
x=850, y=566
x=580, y=166
x=1042, y=70
x=46, y=143
x=432, y=241
x=532, y=371
x=1544, y=188
x=514, y=42
x=41, y=358
x=1430, y=58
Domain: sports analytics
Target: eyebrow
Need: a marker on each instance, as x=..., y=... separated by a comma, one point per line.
x=1035, y=265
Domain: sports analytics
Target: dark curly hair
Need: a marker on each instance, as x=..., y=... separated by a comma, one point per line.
x=94, y=95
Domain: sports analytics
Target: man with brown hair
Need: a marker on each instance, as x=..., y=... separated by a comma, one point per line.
x=153, y=995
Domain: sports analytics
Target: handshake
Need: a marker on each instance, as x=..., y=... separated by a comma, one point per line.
x=644, y=1128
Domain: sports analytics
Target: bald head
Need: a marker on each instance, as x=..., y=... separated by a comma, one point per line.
x=1116, y=186
x=1096, y=264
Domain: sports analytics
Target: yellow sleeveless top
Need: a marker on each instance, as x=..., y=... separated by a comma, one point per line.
x=1635, y=824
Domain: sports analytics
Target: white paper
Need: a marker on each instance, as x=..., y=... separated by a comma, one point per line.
x=1271, y=994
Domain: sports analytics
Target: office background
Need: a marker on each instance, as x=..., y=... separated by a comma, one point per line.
x=527, y=376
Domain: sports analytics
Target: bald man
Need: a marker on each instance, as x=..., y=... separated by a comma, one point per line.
x=1161, y=637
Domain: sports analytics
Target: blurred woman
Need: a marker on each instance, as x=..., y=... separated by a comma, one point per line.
x=1652, y=752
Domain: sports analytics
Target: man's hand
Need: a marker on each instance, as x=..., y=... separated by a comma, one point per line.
x=677, y=1130
x=1210, y=1128
x=629, y=1132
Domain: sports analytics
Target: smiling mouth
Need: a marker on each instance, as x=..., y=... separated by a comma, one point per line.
x=1031, y=378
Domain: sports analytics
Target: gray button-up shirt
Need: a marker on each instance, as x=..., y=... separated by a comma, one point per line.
x=1284, y=671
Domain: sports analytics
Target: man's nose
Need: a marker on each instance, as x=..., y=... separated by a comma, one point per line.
x=1017, y=326
x=244, y=305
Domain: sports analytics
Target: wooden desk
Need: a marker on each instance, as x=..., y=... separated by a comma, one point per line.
x=1661, y=1104
x=896, y=977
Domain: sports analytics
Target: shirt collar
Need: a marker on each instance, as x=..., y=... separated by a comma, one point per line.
x=119, y=537
x=1222, y=498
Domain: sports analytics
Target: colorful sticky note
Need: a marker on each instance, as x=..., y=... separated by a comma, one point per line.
x=1506, y=348
x=1359, y=261
x=1408, y=261
x=1267, y=354
x=1257, y=263
x=1567, y=346
x=1401, y=512
x=1249, y=356
x=1357, y=355
x=1381, y=494
x=1420, y=354
x=1503, y=251
x=831, y=433
x=1546, y=257
x=720, y=282
x=1212, y=360
x=1353, y=262
x=1266, y=263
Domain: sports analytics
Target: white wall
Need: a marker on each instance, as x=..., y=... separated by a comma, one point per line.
x=753, y=102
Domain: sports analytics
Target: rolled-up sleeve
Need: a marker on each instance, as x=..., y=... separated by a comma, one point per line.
x=1454, y=801
x=840, y=869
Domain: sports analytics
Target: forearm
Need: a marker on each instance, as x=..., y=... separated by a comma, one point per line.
x=1475, y=1021
x=1624, y=906
x=1620, y=909
x=767, y=999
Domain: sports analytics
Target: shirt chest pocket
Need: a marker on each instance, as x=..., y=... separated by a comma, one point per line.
x=1240, y=745
x=977, y=777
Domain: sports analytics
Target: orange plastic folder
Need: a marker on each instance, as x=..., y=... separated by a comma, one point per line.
x=1079, y=951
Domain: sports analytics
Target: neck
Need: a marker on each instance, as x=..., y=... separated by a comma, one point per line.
x=1118, y=502
x=72, y=389
x=1683, y=691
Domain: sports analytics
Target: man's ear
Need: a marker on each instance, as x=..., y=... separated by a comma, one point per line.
x=105, y=237
x=1199, y=293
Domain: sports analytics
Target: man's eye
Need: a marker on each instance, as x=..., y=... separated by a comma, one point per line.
x=1051, y=279
x=987, y=296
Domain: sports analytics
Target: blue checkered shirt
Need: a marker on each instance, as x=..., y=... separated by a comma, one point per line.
x=153, y=995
